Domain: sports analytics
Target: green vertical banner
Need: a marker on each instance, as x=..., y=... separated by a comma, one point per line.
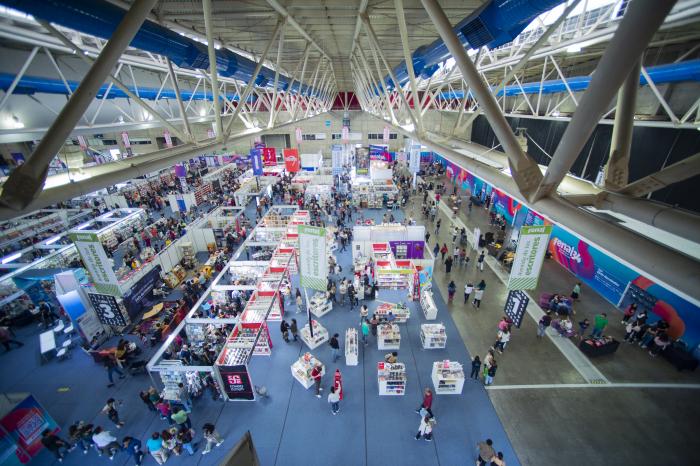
x=532, y=246
x=97, y=263
x=313, y=264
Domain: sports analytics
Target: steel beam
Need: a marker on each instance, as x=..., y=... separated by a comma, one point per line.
x=617, y=167
x=19, y=76
x=211, y=49
x=525, y=171
x=679, y=171
x=641, y=21
x=178, y=97
x=26, y=181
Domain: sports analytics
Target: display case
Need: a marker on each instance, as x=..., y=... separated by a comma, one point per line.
x=320, y=335
x=388, y=337
x=400, y=311
x=433, y=336
x=427, y=303
x=351, y=347
x=391, y=378
x=188, y=255
x=302, y=367
x=448, y=377
x=171, y=379
x=319, y=305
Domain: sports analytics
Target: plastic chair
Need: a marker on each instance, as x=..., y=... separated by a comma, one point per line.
x=67, y=344
x=62, y=354
x=59, y=328
x=68, y=330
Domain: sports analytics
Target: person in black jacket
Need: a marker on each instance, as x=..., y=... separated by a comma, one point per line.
x=54, y=444
x=335, y=347
x=284, y=328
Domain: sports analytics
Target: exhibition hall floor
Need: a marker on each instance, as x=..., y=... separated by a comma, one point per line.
x=292, y=426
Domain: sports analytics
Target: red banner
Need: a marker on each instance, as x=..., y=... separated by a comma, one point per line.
x=269, y=156
x=291, y=160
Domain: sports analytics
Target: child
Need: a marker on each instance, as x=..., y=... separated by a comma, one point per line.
x=476, y=365
x=491, y=373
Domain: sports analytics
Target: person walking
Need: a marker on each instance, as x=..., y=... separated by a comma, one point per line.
x=629, y=312
x=374, y=323
x=480, y=261
x=55, y=444
x=110, y=409
x=491, y=373
x=599, y=324
x=502, y=341
x=478, y=295
x=488, y=360
x=335, y=347
x=343, y=289
x=425, y=429
x=146, y=398
x=184, y=438
x=364, y=312
x=185, y=397
x=476, y=365
x=211, y=436
x=481, y=285
x=6, y=337
x=443, y=251
x=181, y=418
x=334, y=400
x=284, y=329
x=132, y=447
x=427, y=402
x=294, y=328
x=448, y=264
x=437, y=226
x=156, y=448
x=485, y=452
x=299, y=301
x=436, y=249
x=451, y=289
x=468, y=289
x=365, y=331
x=576, y=292
x=110, y=364
x=317, y=374
x=542, y=325
x=105, y=442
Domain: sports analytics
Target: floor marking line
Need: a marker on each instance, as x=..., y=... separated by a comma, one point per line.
x=687, y=386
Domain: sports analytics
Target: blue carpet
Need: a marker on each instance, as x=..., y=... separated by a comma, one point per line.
x=292, y=427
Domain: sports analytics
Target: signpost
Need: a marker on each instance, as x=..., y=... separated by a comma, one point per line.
x=236, y=381
x=532, y=246
x=313, y=265
x=96, y=262
x=516, y=304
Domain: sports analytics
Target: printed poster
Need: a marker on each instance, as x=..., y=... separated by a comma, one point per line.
x=96, y=262
x=313, y=263
x=532, y=246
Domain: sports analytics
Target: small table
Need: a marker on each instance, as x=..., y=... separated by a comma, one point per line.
x=47, y=343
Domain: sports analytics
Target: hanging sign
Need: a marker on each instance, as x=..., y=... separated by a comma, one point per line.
x=168, y=139
x=292, y=162
x=475, y=238
x=345, y=134
x=82, y=142
x=386, y=134
x=269, y=155
x=414, y=163
x=211, y=134
x=107, y=309
x=96, y=262
x=516, y=304
x=337, y=159
x=125, y=139
x=298, y=134
x=256, y=160
x=313, y=264
x=532, y=246
x=236, y=380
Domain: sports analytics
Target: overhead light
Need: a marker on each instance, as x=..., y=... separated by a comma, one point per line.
x=83, y=226
x=12, y=257
x=409, y=127
x=556, y=114
x=202, y=112
x=575, y=48
x=53, y=240
x=13, y=122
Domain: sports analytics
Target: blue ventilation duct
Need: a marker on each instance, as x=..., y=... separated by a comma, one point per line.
x=100, y=19
x=493, y=24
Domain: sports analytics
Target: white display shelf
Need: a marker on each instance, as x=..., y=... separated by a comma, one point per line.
x=448, y=377
x=433, y=336
x=301, y=369
x=351, y=347
x=428, y=305
x=319, y=305
x=388, y=337
x=401, y=312
x=320, y=335
x=391, y=378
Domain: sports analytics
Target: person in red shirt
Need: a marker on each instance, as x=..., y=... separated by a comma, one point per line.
x=427, y=403
x=316, y=374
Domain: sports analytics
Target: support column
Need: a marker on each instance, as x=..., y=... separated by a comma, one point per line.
x=208, y=27
x=25, y=182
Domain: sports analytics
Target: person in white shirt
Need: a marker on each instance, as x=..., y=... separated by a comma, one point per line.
x=334, y=400
x=478, y=294
x=468, y=288
x=503, y=339
x=105, y=442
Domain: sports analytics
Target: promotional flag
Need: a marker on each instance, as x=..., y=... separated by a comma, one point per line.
x=82, y=142
x=168, y=139
x=96, y=262
x=345, y=134
x=532, y=246
x=313, y=263
x=256, y=160
x=386, y=134
x=125, y=139
x=292, y=162
x=269, y=156
x=298, y=134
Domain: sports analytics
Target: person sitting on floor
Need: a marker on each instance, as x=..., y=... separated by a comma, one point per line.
x=392, y=357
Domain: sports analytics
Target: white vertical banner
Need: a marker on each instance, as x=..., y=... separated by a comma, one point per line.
x=313, y=263
x=82, y=142
x=477, y=235
x=345, y=134
x=337, y=159
x=168, y=139
x=386, y=134
x=414, y=163
x=125, y=139
x=529, y=255
x=96, y=262
x=211, y=134
x=299, y=135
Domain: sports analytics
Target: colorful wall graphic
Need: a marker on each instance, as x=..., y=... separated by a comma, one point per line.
x=605, y=274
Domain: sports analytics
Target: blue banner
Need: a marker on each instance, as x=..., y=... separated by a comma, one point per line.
x=256, y=157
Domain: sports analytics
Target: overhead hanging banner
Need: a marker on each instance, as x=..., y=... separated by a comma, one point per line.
x=529, y=255
x=82, y=142
x=108, y=310
x=168, y=139
x=345, y=134
x=256, y=160
x=237, y=384
x=96, y=262
x=299, y=135
x=516, y=304
x=337, y=159
x=269, y=156
x=386, y=134
x=125, y=139
x=292, y=162
x=414, y=162
x=313, y=264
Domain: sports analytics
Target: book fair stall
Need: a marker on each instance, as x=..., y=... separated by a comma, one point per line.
x=433, y=336
x=391, y=378
x=302, y=367
x=448, y=377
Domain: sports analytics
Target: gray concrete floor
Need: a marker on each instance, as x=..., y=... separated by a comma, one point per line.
x=573, y=426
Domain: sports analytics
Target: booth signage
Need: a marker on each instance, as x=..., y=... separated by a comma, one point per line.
x=236, y=380
x=211, y=134
x=141, y=296
x=107, y=309
x=256, y=159
x=292, y=162
x=269, y=156
x=168, y=139
x=299, y=135
x=96, y=262
x=532, y=246
x=313, y=264
x=516, y=304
